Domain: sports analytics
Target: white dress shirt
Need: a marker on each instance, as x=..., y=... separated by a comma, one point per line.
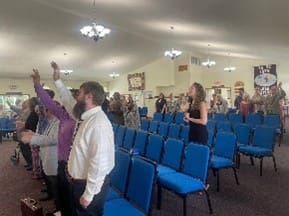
x=92, y=153
x=48, y=147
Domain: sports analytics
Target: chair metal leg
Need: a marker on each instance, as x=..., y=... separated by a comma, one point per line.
x=235, y=174
x=209, y=202
x=261, y=166
x=184, y=205
x=274, y=161
x=280, y=137
x=159, y=196
x=218, y=180
x=238, y=162
x=252, y=161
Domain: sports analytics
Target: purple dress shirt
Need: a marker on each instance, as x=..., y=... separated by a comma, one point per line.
x=66, y=122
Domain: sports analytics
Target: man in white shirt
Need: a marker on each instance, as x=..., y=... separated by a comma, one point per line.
x=91, y=157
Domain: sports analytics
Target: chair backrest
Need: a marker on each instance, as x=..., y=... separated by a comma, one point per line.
x=235, y=118
x=253, y=119
x=119, y=174
x=168, y=117
x=153, y=128
x=157, y=116
x=140, y=141
x=163, y=129
x=264, y=137
x=225, y=145
x=173, y=150
x=184, y=135
x=129, y=138
x=220, y=117
x=154, y=147
x=197, y=161
x=11, y=124
x=179, y=118
x=242, y=132
x=114, y=127
x=120, y=135
x=174, y=131
x=272, y=120
x=143, y=111
x=141, y=183
x=224, y=126
x=211, y=125
x=3, y=123
x=145, y=123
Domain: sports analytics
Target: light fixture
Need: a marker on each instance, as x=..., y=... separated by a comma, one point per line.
x=114, y=75
x=95, y=31
x=229, y=68
x=173, y=53
x=209, y=63
x=66, y=71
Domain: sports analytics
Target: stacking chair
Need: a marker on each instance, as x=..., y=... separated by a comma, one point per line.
x=174, y=131
x=235, y=118
x=179, y=118
x=129, y=139
x=220, y=117
x=243, y=133
x=184, y=135
x=262, y=146
x=192, y=179
x=274, y=121
x=119, y=175
x=211, y=125
x=163, y=129
x=139, y=191
x=114, y=127
x=140, y=142
x=224, y=155
x=144, y=125
x=154, y=148
x=254, y=119
x=157, y=116
x=172, y=157
x=153, y=128
x=224, y=126
x=168, y=117
x=120, y=135
x=143, y=112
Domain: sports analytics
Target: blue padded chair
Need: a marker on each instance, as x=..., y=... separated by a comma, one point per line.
x=119, y=175
x=235, y=118
x=172, y=157
x=224, y=126
x=220, y=117
x=184, y=135
x=262, y=146
x=179, y=118
x=169, y=117
x=274, y=121
x=120, y=135
x=253, y=119
x=139, y=191
x=211, y=125
x=144, y=125
x=129, y=138
x=163, y=129
x=192, y=179
x=224, y=155
x=153, y=128
x=174, y=131
x=154, y=148
x=157, y=116
x=143, y=112
x=114, y=127
x=243, y=134
x=140, y=142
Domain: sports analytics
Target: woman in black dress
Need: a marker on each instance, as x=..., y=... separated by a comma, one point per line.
x=196, y=116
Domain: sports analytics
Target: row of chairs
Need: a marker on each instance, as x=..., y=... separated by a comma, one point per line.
x=177, y=117
x=7, y=125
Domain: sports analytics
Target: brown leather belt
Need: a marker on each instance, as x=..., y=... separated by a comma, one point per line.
x=78, y=181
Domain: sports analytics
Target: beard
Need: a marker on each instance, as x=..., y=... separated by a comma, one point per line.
x=78, y=109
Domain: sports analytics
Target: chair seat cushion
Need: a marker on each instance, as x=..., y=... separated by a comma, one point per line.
x=164, y=170
x=181, y=183
x=220, y=162
x=112, y=194
x=255, y=151
x=240, y=144
x=118, y=207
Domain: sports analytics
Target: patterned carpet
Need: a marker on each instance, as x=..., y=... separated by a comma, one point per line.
x=259, y=196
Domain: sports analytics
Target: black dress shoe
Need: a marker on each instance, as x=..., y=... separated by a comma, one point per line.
x=46, y=198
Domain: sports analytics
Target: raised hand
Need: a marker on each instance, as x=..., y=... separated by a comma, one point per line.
x=56, y=71
x=35, y=76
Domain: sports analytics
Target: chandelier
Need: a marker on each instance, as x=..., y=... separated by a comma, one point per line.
x=95, y=31
x=173, y=53
x=209, y=63
x=114, y=75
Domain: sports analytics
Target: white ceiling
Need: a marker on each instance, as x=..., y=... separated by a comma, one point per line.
x=35, y=32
